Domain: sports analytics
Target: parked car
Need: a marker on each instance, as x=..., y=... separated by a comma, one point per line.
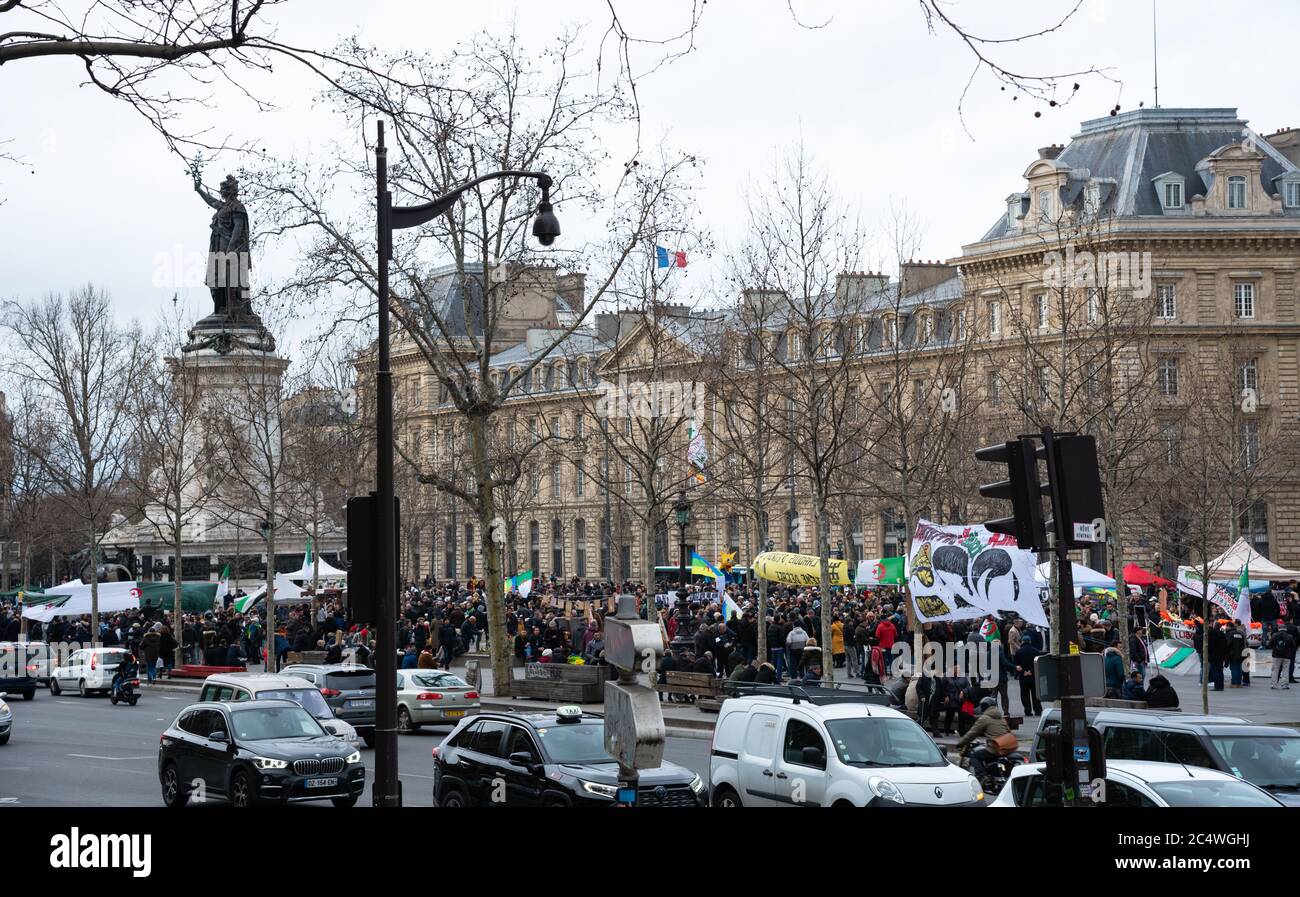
x=88, y=670
x=273, y=686
x=545, y=759
x=433, y=697
x=774, y=748
x=1268, y=756
x=18, y=669
x=348, y=688
x=254, y=752
x=6, y=719
x=1134, y=783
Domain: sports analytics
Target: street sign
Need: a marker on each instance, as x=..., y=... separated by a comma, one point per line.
x=1047, y=676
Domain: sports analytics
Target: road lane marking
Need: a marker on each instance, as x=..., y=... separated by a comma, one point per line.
x=95, y=757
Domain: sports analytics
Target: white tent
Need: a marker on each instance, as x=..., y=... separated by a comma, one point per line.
x=327, y=571
x=1084, y=577
x=1228, y=565
x=285, y=593
x=113, y=597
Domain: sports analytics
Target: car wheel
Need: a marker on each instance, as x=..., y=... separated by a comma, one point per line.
x=112, y=699
x=453, y=798
x=241, y=790
x=4, y=739
x=54, y=688
x=404, y=724
x=723, y=796
x=349, y=801
x=135, y=699
x=29, y=695
x=173, y=792
x=369, y=739
x=81, y=687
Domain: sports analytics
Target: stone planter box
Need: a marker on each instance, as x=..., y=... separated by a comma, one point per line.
x=563, y=683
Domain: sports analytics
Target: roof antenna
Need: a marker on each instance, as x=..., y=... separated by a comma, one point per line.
x=1155, y=56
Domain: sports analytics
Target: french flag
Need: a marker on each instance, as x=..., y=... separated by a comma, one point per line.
x=666, y=259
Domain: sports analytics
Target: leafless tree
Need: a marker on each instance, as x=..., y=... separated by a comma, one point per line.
x=82, y=368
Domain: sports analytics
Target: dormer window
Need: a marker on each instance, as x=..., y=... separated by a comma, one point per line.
x=891, y=329
x=1173, y=195
x=1236, y=192
x=794, y=345
x=1015, y=203
x=1291, y=194
x=1092, y=198
x=927, y=328
x=1170, y=190
x=1045, y=204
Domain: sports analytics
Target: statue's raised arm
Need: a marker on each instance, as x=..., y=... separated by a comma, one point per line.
x=207, y=197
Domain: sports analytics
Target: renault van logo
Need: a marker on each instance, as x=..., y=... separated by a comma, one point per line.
x=938, y=792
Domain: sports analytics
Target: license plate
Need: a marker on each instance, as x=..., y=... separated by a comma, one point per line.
x=358, y=705
x=454, y=713
x=320, y=783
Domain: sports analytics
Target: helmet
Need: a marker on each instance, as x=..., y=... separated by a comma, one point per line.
x=986, y=703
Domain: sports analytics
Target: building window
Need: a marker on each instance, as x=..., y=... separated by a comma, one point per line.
x=580, y=548
x=1166, y=300
x=534, y=481
x=1040, y=309
x=733, y=532
x=449, y=552
x=995, y=318
x=1094, y=302
x=557, y=548
x=891, y=328
x=1244, y=299
x=1173, y=195
x=605, y=572
x=995, y=389
x=794, y=345
x=1044, y=204
x=1169, y=434
x=579, y=480
x=469, y=549
x=1236, y=192
x=1044, y=382
x=1253, y=524
x=1092, y=379
x=961, y=325
x=555, y=480
x=627, y=478
x=792, y=531
x=534, y=546
x=1250, y=375
x=1249, y=443
x=579, y=426
x=1168, y=377
x=1292, y=195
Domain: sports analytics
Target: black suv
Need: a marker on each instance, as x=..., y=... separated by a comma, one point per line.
x=18, y=668
x=545, y=759
x=254, y=752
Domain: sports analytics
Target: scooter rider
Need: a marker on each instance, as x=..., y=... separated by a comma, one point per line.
x=129, y=668
x=989, y=724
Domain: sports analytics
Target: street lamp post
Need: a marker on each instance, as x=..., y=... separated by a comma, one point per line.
x=546, y=227
x=682, y=516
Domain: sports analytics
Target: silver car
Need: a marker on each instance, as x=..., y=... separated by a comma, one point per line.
x=433, y=698
x=6, y=719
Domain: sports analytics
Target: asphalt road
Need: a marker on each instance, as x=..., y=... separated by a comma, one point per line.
x=73, y=752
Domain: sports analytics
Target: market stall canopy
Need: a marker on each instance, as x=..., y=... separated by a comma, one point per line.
x=286, y=592
x=1136, y=576
x=327, y=571
x=1084, y=577
x=1229, y=564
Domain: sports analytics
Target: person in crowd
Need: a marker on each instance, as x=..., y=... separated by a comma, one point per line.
x=990, y=724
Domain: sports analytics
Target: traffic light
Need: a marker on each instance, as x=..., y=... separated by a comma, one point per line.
x=363, y=554
x=1021, y=488
x=1079, y=489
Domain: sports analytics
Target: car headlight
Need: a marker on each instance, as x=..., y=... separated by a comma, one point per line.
x=269, y=763
x=354, y=757
x=610, y=791
x=976, y=789
x=885, y=788
x=697, y=784
x=4, y=709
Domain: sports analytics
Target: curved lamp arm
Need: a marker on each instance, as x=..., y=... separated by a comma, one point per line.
x=413, y=216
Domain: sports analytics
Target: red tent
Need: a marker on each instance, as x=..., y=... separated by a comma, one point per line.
x=1136, y=576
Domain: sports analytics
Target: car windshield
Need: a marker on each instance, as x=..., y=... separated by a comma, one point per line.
x=266, y=723
x=1212, y=793
x=1270, y=761
x=438, y=680
x=350, y=680
x=309, y=698
x=575, y=743
x=874, y=741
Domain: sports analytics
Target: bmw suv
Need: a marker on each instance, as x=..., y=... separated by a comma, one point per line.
x=254, y=752
x=546, y=759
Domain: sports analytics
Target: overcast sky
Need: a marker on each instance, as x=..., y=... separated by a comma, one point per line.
x=872, y=95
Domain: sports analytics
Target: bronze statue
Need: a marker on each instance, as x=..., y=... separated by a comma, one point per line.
x=229, y=257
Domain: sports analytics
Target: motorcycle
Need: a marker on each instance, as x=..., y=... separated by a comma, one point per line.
x=124, y=690
x=997, y=771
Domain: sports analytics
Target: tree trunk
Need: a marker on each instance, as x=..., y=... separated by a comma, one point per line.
x=269, y=598
x=759, y=546
x=498, y=641
x=824, y=587
x=94, y=587
x=1114, y=531
x=177, y=545
x=1205, y=636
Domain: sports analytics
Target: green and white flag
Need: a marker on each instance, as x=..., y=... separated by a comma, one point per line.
x=244, y=604
x=523, y=583
x=306, y=558
x=223, y=589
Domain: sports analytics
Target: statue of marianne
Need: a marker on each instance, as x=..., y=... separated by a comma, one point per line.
x=229, y=256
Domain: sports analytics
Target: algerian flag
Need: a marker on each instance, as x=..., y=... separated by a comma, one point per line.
x=889, y=570
x=306, y=558
x=1243, y=597
x=223, y=589
x=243, y=605
x=989, y=631
x=523, y=584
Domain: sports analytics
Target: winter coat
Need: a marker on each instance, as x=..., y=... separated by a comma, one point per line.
x=1114, y=667
x=988, y=725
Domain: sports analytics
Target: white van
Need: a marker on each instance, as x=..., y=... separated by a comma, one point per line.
x=792, y=746
x=272, y=686
x=88, y=670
